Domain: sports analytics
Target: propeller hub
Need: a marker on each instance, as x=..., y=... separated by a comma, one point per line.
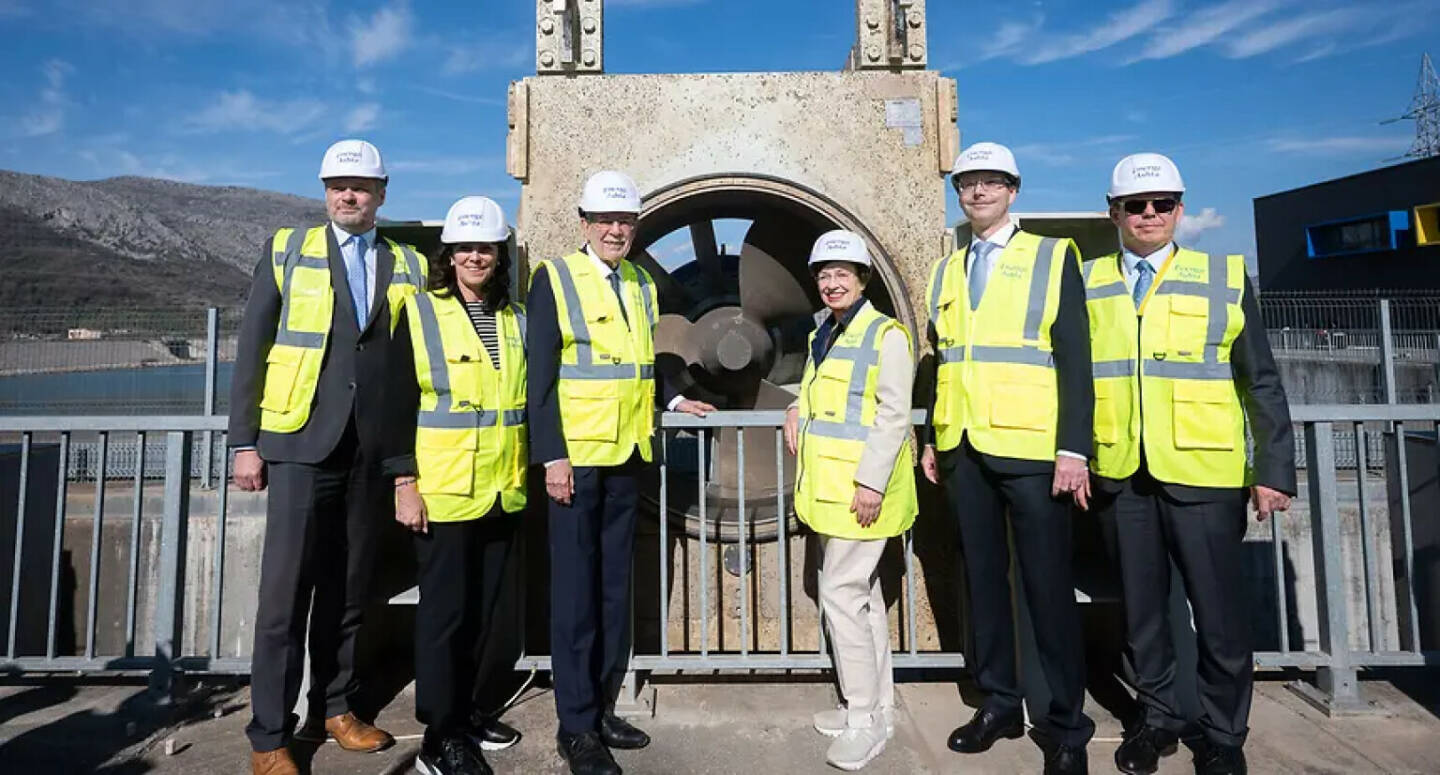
x=734, y=351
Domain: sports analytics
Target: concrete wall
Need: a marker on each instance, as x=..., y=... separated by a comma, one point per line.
x=824, y=132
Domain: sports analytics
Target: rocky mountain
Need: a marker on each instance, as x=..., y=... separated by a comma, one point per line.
x=135, y=242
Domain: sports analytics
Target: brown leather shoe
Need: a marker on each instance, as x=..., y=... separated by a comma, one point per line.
x=276, y=762
x=352, y=734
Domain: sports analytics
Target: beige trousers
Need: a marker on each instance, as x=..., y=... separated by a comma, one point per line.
x=854, y=609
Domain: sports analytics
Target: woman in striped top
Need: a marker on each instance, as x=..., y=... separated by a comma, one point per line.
x=458, y=458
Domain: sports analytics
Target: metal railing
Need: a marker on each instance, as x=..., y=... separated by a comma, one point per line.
x=706, y=623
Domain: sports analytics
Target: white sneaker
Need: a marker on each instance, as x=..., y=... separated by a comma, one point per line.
x=857, y=745
x=831, y=723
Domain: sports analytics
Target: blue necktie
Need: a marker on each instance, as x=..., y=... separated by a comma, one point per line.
x=979, y=271
x=1145, y=275
x=620, y=297
x=355, y=275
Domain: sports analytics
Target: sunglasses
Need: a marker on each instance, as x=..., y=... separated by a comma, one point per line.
x=1138, y=206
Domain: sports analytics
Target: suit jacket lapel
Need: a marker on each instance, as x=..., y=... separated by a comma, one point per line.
x=384, y=269
x=338, y=276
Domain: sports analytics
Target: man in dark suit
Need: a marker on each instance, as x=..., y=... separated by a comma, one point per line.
x=1010, y=432
x=307, y=400
x=1182, y=364
x=591, y=424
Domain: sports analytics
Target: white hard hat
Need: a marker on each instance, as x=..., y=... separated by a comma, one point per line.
x=353, y=159
x=474, y=219
x=610, y=192
x=1145, y=173
x=987, y=157
x=840, y=245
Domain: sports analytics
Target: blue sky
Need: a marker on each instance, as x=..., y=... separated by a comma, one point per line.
x=1248, y=96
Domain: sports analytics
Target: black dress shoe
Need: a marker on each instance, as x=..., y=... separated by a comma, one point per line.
x=491, y=734
x=984, y=728
x=1067, y=760
x=585, y=754
x=616, y=732
x=449, y=756
x=1216, y=759
x=1140, y=753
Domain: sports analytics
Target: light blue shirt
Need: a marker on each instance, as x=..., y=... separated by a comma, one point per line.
x=1129, y=261
x=369, y=257
x=999, y=239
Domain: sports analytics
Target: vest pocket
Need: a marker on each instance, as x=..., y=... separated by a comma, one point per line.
x=445, y=470
x=1204, y=413
x=834, y=474
x=944, y=397
x=1023, y=405
x=1110, y=401
x=590, y=409
x=282, y=369
x=1188, y=318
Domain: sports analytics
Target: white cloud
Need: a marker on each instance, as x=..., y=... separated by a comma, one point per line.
x=48, y=117
x=1378, y=145
x=450, y=95
x=459, y=165
x=1121, y=26
x=487, y=52
x=1061, y=154
x=109, y=162
x=242, y=111
x=363, y=117
x=1203, y=27
x=650, y=3
x=1195, y=224
x=1288, y=30
x=384, y=36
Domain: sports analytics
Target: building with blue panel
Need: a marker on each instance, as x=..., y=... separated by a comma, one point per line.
x=1377, y=230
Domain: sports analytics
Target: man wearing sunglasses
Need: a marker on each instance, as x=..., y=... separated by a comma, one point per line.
x=1181, y=361
x=1010, y=432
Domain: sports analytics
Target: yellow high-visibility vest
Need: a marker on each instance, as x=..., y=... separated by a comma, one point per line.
x=607, y=360
x=301, y=264
x=995, y=375
x=470, y=444
x=837, y=409
x=1163, y=380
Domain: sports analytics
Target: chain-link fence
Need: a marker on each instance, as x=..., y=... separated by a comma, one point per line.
x=1330, y=349
x=1333, y=349
x=115, y=361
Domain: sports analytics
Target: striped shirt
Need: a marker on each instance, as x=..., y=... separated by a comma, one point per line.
x=484, y=320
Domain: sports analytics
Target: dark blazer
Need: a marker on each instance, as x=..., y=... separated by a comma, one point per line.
x=352, y=376
x=1070, y=340
x=1262, y=395
x=543, y=342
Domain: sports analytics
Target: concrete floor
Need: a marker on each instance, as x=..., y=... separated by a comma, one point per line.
x=746, y=728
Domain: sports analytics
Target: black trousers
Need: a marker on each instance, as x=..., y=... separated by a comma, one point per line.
x=462, y=572
x=321, y=522
x=591, y=545
x=978, y=498
x=1148, y=527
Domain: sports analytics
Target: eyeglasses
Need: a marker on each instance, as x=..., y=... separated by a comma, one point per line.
x=606, y=219
x=982, y=184
x=1138, y=206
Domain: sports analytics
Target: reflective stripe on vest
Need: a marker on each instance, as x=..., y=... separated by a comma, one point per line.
x=607, y=360
x=1168, y=379
x=995, y=375
x=836, y=418
x=470, y=443
x=301, y=266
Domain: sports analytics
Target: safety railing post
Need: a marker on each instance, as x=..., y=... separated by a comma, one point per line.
x=1337, y=687
x=170, y=597
x=212, y=352
x=1387, y=354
